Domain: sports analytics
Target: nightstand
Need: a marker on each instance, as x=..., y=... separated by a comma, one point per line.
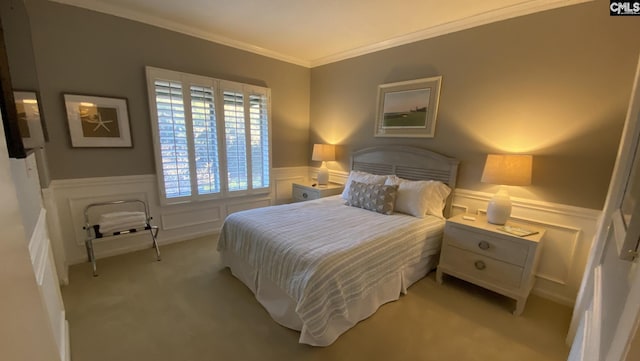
x=477, y=252
x=305, y=192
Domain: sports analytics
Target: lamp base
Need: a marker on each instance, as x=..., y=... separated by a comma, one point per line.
x=323, y=175
x=499, y=208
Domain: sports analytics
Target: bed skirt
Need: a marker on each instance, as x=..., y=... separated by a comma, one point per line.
x=282, y=308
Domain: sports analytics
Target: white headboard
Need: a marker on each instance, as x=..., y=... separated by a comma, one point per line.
x=409, y=163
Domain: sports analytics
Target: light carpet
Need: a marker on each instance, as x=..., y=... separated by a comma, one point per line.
x=187, y=307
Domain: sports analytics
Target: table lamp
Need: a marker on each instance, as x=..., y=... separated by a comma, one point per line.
x=505, y=170
x=323, y=153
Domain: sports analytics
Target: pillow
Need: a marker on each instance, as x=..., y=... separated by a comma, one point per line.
x=374, y=197
x=362, y=177
x=420, y=198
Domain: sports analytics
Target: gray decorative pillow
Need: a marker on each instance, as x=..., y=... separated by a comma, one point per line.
x=374, y=197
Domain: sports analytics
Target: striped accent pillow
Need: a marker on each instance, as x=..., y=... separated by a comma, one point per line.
x=373, y=197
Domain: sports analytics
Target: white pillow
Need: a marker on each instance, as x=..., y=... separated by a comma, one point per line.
x=419, y=198
x=362, y=177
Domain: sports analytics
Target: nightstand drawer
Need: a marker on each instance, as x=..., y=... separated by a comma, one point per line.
x=302, y=194
x=487, y=245
x=483, y=268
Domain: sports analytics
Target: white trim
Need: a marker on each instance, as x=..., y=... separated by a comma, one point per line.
x=557, y=208
x=218, y=88
x=39, y=247
x=621, y=171
x=55, y=236
x=493, y=16
x=165, y=218
x=46, y=277
x=570, y=231
x=508, y=12
x=564, y=278
x=138, y=16
x=60, y=184
x=67, y=199
x=66, y=351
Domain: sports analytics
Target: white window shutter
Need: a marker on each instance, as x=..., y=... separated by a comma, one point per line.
x=211, y=137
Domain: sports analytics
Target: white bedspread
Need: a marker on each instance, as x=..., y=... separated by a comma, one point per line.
x=325, y=254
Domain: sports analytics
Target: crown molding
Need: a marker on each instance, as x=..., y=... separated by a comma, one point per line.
x=508, y=12
x=101, y=7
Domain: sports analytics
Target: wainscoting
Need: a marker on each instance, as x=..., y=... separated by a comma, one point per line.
x=569, y=229
x=35, y=220
x=47, y=279
x=569, y=233
x=67, y=199
x=568, y=237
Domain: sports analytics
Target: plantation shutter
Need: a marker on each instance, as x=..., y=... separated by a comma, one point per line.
x=211, y=137
x=205, y=139
x=258, y=114
x=235, y=138
x=172, y=135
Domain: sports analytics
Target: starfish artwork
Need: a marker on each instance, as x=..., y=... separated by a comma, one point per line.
x=99, y=121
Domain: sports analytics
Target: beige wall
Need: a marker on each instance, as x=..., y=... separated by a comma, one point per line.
x=85, y=52
x=554, y=84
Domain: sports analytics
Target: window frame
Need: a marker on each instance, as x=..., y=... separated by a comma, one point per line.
x=219, y=86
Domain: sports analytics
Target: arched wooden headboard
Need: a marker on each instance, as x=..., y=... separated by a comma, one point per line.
x=408, y=162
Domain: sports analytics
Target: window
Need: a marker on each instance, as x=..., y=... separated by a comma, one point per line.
x=211, y=136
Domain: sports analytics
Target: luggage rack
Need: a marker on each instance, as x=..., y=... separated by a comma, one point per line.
x=93, y=230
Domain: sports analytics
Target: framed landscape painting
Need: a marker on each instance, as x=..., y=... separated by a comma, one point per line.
x=408, y=108
x=97, y=121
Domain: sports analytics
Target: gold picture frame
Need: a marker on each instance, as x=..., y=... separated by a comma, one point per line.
x=96, y=121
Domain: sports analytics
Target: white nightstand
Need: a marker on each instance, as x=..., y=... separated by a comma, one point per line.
x=477, y=252
x=305, y=192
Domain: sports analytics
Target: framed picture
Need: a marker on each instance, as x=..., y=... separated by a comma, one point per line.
x=98, y=121
x=408, y=108
x=30, y=121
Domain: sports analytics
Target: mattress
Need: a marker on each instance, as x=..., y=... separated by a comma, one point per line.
x=321, y=266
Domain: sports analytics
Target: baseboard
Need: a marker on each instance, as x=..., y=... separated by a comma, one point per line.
x=554, y=296
x=139, y=246
x=569, y=233
x=65, y=348
x=568, y=238
x=66, y=201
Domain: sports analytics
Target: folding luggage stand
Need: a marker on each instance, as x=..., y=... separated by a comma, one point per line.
x=93, y=230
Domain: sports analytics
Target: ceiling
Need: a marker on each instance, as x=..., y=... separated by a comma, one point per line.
x=316, y=32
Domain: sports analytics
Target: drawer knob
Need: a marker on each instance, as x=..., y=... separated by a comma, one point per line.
x=480, y=265
x=305, y=195
x=484, y=245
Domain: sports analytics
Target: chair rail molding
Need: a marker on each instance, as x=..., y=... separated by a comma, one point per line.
x=570, y=231
x=66, y=199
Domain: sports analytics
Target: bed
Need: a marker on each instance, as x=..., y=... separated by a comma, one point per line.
x=322, y=266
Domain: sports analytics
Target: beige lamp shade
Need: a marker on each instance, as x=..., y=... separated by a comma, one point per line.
x=508, y=169
x=324, y=152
